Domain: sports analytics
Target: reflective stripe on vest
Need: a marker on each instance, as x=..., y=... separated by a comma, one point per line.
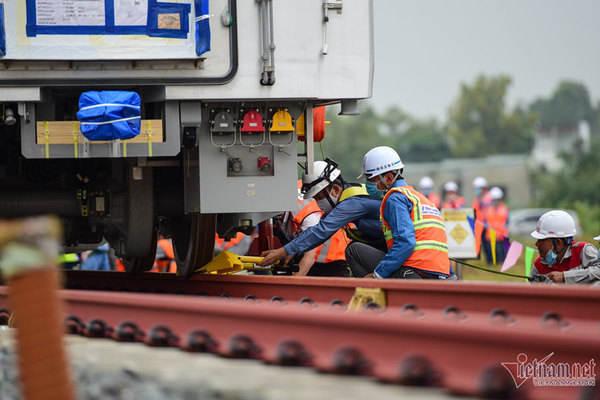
x=305, y=208
x=334, y=249
x=67, y=258
x=431, y=248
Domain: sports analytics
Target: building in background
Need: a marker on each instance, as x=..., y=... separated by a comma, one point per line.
x=509, y=172
x=550, y=140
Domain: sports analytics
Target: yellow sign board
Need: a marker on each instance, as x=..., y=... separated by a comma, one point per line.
x=461, y=239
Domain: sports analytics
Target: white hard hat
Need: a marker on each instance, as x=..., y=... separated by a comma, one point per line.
x=555, y=224
x=324, y=173
x=496, y=193
x=426, y=183
x=479, y=182
x=380, y=160
x=597, y=237
x=451, y=187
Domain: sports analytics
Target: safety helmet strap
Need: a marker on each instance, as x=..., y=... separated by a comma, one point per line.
x=388, y=187
x=326, y=175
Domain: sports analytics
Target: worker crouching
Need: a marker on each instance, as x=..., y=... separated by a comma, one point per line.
x=412, y=226
x=561, y=259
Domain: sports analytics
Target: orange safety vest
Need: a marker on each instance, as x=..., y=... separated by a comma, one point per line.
x=457, y=203
x=305, y=208
x=435, y=199
x=224, y=245
x=497, y=217
x=165, y=264
x=431, y=247
x=334, y=248
x=481, y=206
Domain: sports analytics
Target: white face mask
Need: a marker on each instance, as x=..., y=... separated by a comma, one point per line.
x=325, y=205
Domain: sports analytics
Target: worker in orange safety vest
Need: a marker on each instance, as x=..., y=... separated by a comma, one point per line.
x=412, y=226
x=345, y=206
x=426, y=187
x=327, y=259
x=451, y=197
x=239, y=244
x=496, y=217
x=164, y=260
x=480, y=204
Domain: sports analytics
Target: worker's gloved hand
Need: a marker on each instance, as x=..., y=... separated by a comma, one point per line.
x=271, y=256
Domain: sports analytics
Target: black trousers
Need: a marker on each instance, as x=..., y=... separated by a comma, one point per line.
x=335, y=268
x=362, y=260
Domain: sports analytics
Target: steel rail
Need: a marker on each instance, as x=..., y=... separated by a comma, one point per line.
x=572, y=301
x=463, y=353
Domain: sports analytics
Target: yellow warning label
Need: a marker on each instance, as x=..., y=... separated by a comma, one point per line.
x=459, y=234
x=454, y=215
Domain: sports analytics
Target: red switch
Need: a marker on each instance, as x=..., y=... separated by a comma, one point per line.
x=264, y=164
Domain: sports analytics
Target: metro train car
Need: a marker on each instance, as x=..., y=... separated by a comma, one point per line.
x=130, y=118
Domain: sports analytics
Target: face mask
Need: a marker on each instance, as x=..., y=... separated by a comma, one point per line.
x=478, y=192
x=373, y=191
x=550, y=257
x=324, y=205
x=426, y=192
x=334, y=199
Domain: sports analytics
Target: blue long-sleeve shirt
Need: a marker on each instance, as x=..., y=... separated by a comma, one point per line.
x=397, y=215
x=98, y=259
x=362, y=211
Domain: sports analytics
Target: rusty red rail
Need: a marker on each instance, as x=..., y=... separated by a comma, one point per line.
x=462, y=353
x=514, y=298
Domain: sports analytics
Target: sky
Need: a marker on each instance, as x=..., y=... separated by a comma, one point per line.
x=424, y=49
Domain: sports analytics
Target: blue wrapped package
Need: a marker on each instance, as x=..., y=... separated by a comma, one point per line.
x=109, y=115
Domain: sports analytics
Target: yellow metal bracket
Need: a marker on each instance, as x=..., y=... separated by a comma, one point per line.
x=228, y=263
x=75, y=139
x=46, y=139
x=367, y=297
x=149, y=125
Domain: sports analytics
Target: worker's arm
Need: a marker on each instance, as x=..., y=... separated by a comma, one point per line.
x=397, y=214
x=306, y=262
x=590, y=267
x=342, y=214
x=271, y=256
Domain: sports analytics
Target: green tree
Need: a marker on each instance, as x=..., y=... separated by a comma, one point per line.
x=576, y=186
x=479, y=123
x=349, y=138
x=569, y=104
x=423, y=140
